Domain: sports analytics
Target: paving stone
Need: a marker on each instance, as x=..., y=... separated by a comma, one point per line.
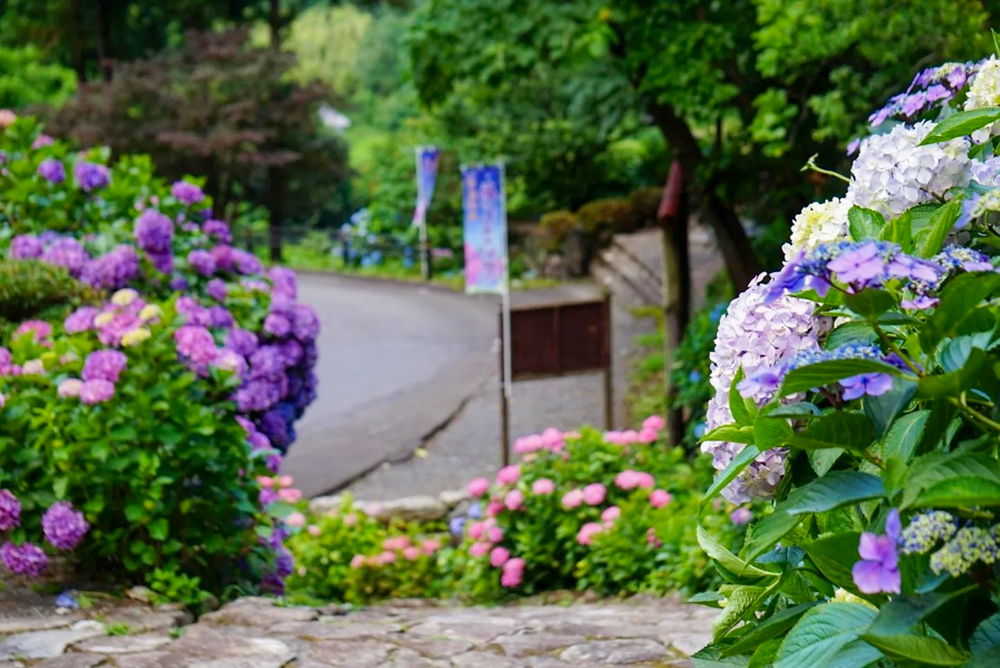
x=485, y=660
x=616, y=652
x=147, y=660
x=72, y=660
x=26, y=623
x=146, y=642
x=141, y=619
x=435, y=647
x=419, y=508
x=259, y=612
x=689, y=643
x=342, y=629
x=532, y=644
x=204, y=642
x=343, y=654
x=408, y=658
x=47, y=644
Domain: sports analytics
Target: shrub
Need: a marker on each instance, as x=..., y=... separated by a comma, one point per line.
x=148, y=457
x=605, y=217
x=857, y=391
x=646, y=204
x=555, y=225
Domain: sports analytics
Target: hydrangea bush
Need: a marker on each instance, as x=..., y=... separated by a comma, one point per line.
x=147, y=396
x=856, y=390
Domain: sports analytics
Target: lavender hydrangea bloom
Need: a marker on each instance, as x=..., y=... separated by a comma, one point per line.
x=266, y=362
x=858, y=265
x=218, y=230
x=242, y=341
x=105, y=365
x=878, y=570
x=246, y=263
x=186, y=192
x=80, y=320
x=112, y=270
x=52, y=170
x=26, y=247
x=179, y=283
x=284, y=281
x=66, y=252
x=90, y=176
x=154, y=232
x=202, y=262
x=292, y=352
x=63, y=526
x=193, y=312
x=220, y=317
x=10, y=510
x=257, y=395
x=223, y=257
x=229, y=360
x=305, y=325
x=277, y=325
x=27, y=559
x=216, y=289
x=96, y=391
x=870, y=384
x=195, y=343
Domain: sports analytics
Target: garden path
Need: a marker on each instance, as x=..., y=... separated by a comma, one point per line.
x=258, y=633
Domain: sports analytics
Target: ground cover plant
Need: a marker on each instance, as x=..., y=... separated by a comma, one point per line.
x=856, y=390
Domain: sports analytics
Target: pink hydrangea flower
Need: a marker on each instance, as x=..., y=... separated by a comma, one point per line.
x=313, y=530
x=553, y=439
x=627, y=480
x=648, y=435
x=513, y=572
x=543, y=486
x=494, y=534
x=509, y=475
x=478, y=487
x=429, y=547
x=476, y=530
x=572, y=499
x=587, y=532
x=479, y=549
x=651, y=538
x=499, y=556
x=659, y=498
x=645, y=480
x=411, y=553
x=654, y=422
x=528, y=444
x=96, y=391
x=295, y=520
x=70, y=388
x=396, y=543
x=514, y=500
x=610, y=514
x=494, y=508
x=594, y=493
x=289, y=494
x=387, y=557
x=357, y=561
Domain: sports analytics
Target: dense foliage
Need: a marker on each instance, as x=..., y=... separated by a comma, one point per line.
x=150, y=373
x=857, y=389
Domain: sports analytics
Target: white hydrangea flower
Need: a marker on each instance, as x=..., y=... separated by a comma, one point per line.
x=892, y=173
x=986, y=172
x=818, y=223
x=753, y=336
x=985, y=88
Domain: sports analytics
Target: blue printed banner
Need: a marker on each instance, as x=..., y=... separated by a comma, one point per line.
x=427, y=168
x=485, y=227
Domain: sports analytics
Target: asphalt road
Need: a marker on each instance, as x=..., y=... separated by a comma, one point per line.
x=396, y=362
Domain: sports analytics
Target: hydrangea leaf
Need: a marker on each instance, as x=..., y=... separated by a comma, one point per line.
x=954, y=383
x=936, y=468
x=714, y=549
x=775, y=625
x=864, y=224
x=836, y=489
x=931, y=240
x=841, y=429
x=736, y=466
x=883, y=409
x=825, y=373
x=986, y=636
x=961, y=124
x=822, y=632
x=926, y=651
x=730, y=432
x=823, y=460
x=768, y=531
x=903, y=613
x=799, y=409
x=959, y=299
x=871, y=303
x=834, y=556
x=740, y=602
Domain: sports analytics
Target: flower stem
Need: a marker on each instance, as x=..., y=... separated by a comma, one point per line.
x=973, y=414
x=811, y=165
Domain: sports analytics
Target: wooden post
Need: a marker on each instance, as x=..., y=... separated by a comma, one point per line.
x=673, y=217
x=504, y=402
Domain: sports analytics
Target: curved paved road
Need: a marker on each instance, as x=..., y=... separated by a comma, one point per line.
x=396, y=362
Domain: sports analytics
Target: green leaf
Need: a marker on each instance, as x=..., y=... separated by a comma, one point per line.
x=864, y=224
x=714, y=549
x=883, y=409
x=960, y=493
x=842, y=429
x=736, y=466
x=824, y=373
x=710, y=657
x=158, y=530
x=800, y=409
x=770, y=433
x=765, y=655
x=945, y=472
x=932, y=240
x=904, y=435
x=988, y=659
x=961, y=124
x=823, y=460
x=959, y=298
x=772, y=627
x=730, y=432
x=737, y=405
x=953, y=383
x=769, y=530
x=850, y=332
x=926, y=651
x=899, y=231
x=987, y=634
x=834, y=556
x=836, y=489
x=996, y=42
x=740, y=601
x=821, y=633
x=871, y=303
x=903, y=613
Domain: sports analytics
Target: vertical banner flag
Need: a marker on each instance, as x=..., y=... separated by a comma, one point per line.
x=485, y=228
x=427, y=168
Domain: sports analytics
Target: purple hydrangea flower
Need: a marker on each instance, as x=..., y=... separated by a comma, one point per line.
x=27, y=560
x=52, y=170
x=257, y=395
x=196, y=343
x=277, y=325
x=292, y=352
x=218, y=230
x=246, y=263
x=878, y=570
x=266, y=362
x=223, y=257
x=216, y=288
x=186, y=192
x=284, y=281
x=80, y=320
x=41, y=141
x=104, y=365
x=10, y=510
x=193, y=312
x=66, y=252
x=858, y=265
x=230, y=360
x=242, y=341
x=179, y=283
x=96, y=391
x=202, y=262
x=26, y=247
x=91, y=176
x=220, y=317
x=154, y=232
x=938, y=92
x=112, y=270
x=63, y=526
x=305, y=326
x=871, y=384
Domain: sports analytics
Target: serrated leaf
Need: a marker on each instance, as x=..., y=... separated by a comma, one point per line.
x=850, y=332
x=871, y=303
x=959, y=298
x=987, y=634
x=834, y=556
x=927, y=651
x=730, y=432
x=936, y=468
x=799, y=409
x=864, y=224
x=771, y=627
x=823, y=460
x=899, y=231
x=770, y=433
x=960, y=493
x=825, y=373
x=883, y=409
x=842, y=429
x=953, y=383
x=961, y=124
x=836, y=489
x=737, y=406
x=714, y=549
x=739, y=602
x=736, y=466
x=902, y=613
x=942, y=221
x=768, y=531
x=822, y=632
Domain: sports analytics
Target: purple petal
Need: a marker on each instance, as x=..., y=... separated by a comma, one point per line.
x=868, y=576
x=868, y=547
x=893, y=526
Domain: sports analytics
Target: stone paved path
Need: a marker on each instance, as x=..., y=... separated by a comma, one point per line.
x=258, y=633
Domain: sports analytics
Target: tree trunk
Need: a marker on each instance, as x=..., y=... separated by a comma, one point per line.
x=75, y=23
x=274, y=22
x=105, y=53
x=275, y=205
x=720, y=216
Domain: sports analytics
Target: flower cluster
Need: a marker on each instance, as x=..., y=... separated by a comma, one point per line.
x=878, y=570
x=932, y=87
x=62, y=526
x=968, y=547
x=926, y=530
x=820, y=222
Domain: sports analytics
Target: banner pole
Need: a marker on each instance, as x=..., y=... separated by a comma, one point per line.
x=425, y=263
x=508, y=376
